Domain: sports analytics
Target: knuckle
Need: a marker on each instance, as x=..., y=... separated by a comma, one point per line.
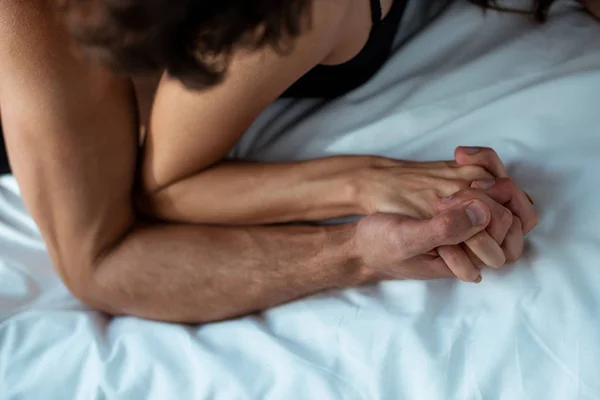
x=513, y=248
x=506, y=217
x=514, y=252
x=431, y=194
x=513, y=255
x=473, y=173
x=508, y=182
x=451, y=186
x=472, y=193
x=477, y=241
x=446, y=227
x=452, y=255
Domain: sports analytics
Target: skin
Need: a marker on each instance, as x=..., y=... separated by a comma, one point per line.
x=72, y=134
x=186, y=178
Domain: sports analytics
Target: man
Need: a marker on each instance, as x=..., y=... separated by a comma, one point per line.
x=71, y=134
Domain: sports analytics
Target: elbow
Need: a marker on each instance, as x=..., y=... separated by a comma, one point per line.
x=85, y=282
x=89, y=292
x=102, y=304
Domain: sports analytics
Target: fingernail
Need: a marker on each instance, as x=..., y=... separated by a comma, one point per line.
x=479, y=279
x=472, y=150
x=485, y=184
x=476, y=214
x=447, y=198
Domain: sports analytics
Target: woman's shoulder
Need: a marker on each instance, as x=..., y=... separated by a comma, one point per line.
x=263, y=74
x=331, y=11
x=321, y=33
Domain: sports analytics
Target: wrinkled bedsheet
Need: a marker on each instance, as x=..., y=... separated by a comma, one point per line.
x=530, y=331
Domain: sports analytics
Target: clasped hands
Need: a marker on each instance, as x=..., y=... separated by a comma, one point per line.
x=428, y=220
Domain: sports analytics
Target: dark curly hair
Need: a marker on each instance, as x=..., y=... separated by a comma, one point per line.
x=189, y=39
x=192, y=39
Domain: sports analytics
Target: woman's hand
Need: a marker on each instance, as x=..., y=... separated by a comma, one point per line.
x=413, y=189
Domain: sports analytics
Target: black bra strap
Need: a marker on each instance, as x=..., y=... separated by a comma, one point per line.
x=376, y=12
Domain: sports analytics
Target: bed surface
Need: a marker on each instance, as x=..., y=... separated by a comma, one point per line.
x=530, y=331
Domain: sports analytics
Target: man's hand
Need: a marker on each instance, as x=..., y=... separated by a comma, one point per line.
x=512, y=212
x=421, y=189
x=397, y=247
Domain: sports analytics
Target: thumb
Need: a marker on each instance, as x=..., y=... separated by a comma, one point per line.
x=452, y=226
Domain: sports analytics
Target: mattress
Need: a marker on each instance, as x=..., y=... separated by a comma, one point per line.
x=529, y=331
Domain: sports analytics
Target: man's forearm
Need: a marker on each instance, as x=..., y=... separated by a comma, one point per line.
x=197, y=274
x=241, y=193
x=72, y=136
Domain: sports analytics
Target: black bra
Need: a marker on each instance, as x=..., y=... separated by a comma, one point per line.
x=328, y=81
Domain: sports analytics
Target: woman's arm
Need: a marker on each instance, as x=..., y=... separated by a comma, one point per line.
x=237, y=192
x=184, y=177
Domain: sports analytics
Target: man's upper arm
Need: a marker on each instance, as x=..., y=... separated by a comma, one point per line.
x=70, y=130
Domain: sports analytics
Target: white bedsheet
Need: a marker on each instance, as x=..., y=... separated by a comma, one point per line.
x=530, y=331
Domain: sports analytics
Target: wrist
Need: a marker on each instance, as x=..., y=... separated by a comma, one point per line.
x=345, y=255
x=359, y=186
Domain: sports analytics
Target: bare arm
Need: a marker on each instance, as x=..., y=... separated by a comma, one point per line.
x=184, y=175
x=71, y=135
x=243, y=193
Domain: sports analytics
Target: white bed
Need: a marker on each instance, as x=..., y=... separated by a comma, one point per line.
x=531, y=331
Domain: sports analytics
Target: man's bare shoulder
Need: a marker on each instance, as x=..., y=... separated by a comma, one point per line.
x=27, y=27
x=37, y=54
x=22, y=16
x=14, y=8
x=9, y=4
